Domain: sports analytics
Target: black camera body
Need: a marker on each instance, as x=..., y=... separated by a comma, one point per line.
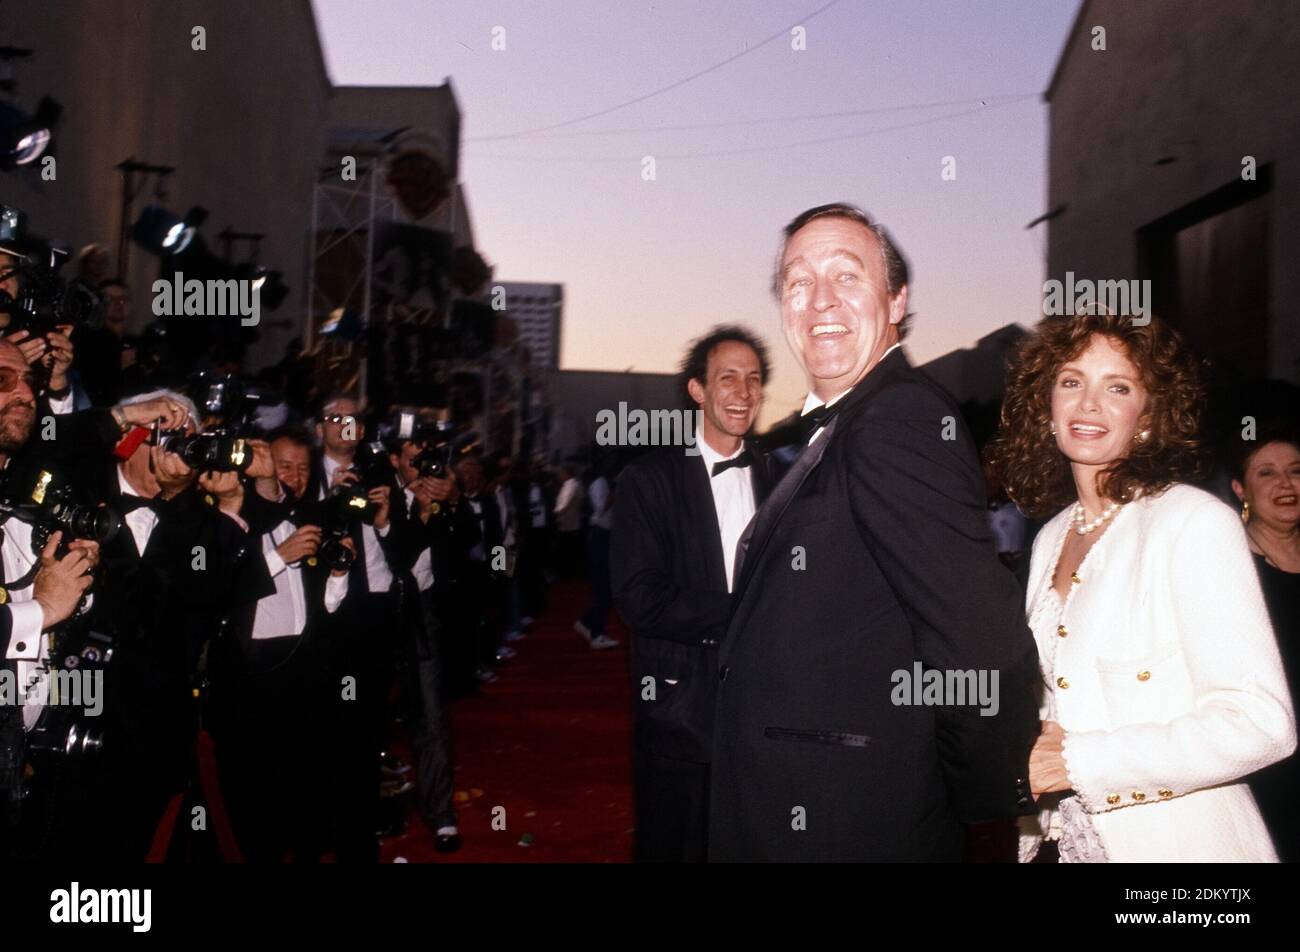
x=48, y=507
x=44, y=300
x=343, y=508
x=215, y=450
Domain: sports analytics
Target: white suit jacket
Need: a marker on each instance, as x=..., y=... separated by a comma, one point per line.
x=1174, y=690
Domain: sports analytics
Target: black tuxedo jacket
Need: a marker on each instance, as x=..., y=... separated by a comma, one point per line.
x=872, y=553
x=240, y=653
x=488, y=522
x=670, y=584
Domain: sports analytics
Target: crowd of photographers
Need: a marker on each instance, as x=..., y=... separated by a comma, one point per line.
x=262, y=596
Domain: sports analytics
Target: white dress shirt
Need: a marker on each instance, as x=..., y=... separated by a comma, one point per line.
x=28, y=645
x=423, y=569
x=812, y=401
x=379, y=578
x=140, y=521
x=284, y=614
x=733, y=501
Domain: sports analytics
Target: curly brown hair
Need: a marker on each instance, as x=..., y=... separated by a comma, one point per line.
x=1024, y=453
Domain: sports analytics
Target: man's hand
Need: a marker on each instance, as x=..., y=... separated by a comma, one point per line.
x=344, y=477
x=380, y=497
x=59, y=358
x=301, y=545
x=90, y=548
x=33, y=348
x=226, y=488
x=172, y=473
x=263, y=466
x=351, y=546
x=1047, y=761
x=428, y=490
x=171, y=413
x=60, y=583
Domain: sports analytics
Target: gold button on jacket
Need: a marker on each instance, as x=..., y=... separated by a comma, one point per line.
x=1144, y=675
x=1062, y=683
x=1139, y=796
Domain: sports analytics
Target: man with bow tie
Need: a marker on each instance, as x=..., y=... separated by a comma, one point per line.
x=872, y=553
x=677, y=520
x=183, y=560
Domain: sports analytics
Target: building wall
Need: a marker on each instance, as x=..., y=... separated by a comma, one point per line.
x=244, y=122
x=1200, y=81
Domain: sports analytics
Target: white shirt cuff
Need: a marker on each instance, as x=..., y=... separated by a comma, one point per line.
x=336, y=589
x=274, y=564
x=27, y=621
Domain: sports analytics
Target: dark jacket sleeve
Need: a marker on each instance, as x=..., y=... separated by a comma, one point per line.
x=642, y=558
x=918, y=500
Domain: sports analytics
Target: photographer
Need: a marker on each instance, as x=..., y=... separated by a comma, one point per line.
x=269, y=691
x=183, y=560
x=27, y=613
x=361, y=656
x=440, y=531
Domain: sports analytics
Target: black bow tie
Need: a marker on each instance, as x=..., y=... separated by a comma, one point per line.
x=815, y=419
x=743, y=460
x=128, y=503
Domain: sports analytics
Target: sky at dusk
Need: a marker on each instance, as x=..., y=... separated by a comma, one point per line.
x=648, y=265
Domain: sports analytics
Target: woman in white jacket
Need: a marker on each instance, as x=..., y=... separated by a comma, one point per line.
x=1162, y=684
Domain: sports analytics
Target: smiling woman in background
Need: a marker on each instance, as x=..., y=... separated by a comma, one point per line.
x=1163, y=685
x=1267, y=482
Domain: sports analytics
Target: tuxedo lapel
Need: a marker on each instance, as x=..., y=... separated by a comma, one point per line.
x=760, y=474
x=760, y=529
x=701, y=517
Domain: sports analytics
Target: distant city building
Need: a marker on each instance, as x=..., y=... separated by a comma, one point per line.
x=537, y=311
x=1173, y=142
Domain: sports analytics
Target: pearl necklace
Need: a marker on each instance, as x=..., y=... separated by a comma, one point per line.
x=1083, y=528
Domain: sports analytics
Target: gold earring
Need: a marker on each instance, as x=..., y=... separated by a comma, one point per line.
x=1051, y=427
x=1245, y=513
x=1142, y=436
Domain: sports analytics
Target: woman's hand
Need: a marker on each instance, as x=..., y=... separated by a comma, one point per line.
x=1047, y=761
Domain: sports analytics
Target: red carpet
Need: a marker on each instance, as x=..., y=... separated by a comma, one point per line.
x=550, y=743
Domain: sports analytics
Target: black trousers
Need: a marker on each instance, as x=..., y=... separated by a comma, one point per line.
x=672, y=809
x=422, y=689
x=267, y=710
x=361, y=673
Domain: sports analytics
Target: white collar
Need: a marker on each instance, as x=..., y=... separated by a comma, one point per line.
x=812, y=401
x=711, y=456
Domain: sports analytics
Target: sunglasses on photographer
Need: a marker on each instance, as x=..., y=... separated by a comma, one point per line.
x=9, y=380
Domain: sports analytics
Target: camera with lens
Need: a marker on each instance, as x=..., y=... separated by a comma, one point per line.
x=42, y=300
x=441, y=442
x=227, y=407
x=336, y=515
x=215, y=450
x=46, y=503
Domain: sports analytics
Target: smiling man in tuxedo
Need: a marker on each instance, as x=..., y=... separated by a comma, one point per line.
x=677, y=520
x=872, y=553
